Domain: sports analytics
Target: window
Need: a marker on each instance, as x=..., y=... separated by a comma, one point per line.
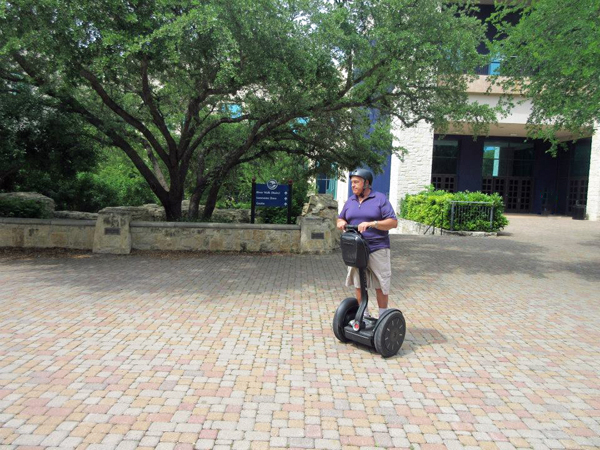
x=508, y=159
x=445, y=164
x=580, y=159
x=445, y=157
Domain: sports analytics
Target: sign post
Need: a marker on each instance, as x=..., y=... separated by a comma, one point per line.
x=289, y=205
x=253, y=208
x=271, y=194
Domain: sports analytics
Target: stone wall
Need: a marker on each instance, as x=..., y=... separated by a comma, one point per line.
x=593, y=194
x=318, y=224
x=44, y=233
x=215, y=237
x=412, y=173
x=116, y=232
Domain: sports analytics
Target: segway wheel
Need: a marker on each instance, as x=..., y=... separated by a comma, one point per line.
x=390, y=334
x=343, y=315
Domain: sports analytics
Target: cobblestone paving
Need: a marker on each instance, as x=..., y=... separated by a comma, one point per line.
x=236, y=351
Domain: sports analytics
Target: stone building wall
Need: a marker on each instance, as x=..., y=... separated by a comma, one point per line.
x=593, y=195
x=412, y=173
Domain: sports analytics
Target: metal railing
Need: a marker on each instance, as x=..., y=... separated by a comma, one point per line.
x=480, y=213
x=437, y=222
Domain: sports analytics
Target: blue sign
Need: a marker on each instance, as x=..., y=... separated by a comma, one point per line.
x=272, y=194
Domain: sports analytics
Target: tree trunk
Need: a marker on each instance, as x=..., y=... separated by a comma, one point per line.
x=211, y=200
x=194, y=205
x=173, y=208
x=195, y=200
x=174, y=198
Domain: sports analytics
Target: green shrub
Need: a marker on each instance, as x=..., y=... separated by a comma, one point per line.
x=432, y=207
x=16, y=207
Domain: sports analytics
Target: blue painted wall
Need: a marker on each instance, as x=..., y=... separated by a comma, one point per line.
x=381, y=182
x=562, y=181
x=470, y=162
x=545, y=187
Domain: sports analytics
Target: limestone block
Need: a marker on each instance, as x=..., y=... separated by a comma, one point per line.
x=318, y=203
x=112, y=234
x=11, y=235
x=75, y=215
x=145, y=213
x=316, y=235
x=37, y=236
x=593, y=194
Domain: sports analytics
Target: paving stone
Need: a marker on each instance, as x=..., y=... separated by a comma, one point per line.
x=225, y=350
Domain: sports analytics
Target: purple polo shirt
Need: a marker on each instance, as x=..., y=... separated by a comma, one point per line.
x=375, y=207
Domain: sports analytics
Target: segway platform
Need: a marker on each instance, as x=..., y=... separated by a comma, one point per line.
x=385, y=334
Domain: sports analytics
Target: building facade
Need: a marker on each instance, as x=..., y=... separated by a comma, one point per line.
x=529, y=179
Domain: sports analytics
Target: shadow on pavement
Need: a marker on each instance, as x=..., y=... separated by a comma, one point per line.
x=588, y=270
x=433, y=255
x=420, y=337
x=417, y=262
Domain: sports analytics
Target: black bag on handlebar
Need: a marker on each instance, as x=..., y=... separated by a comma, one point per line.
x=355, y=250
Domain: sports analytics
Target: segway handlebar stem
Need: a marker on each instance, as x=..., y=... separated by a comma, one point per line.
x=363, y=284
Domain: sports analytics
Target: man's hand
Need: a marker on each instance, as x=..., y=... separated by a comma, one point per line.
x=341, y=224
x=364, y=225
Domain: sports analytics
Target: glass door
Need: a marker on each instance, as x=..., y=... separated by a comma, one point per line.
x=508, y=170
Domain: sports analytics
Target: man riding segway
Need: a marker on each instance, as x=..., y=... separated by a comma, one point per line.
x=374, y=215
x=369, y=213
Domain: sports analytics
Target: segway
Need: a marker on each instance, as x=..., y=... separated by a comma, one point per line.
x=385, y=334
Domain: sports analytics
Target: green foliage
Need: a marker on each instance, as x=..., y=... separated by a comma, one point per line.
x=110, y=181
x=432, y=207
x=116, y=174
x=237, y=191
x=427, y=207
x=158, y=78
x=552, y=56
x=41, y=149
x=16, y=207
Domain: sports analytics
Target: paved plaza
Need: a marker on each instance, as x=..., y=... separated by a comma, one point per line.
x=233, y=351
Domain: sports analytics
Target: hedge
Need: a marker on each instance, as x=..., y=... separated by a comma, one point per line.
x=432, y=207
x=16, y=207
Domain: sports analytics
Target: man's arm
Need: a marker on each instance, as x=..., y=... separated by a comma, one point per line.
x=384, y=225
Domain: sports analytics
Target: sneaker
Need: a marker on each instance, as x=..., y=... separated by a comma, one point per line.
x=367, y=318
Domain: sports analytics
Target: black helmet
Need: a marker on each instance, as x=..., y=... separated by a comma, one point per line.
x=365, y=174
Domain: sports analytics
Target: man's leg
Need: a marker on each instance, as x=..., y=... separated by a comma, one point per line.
x=382, y=299
x=382, y=271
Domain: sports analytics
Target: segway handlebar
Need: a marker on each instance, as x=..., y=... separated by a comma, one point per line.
x=349, y=227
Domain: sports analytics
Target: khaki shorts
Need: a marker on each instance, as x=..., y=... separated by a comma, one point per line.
x=379, y=272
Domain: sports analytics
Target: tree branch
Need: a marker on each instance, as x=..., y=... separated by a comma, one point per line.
x=108, y=101
x=157, y=117
x=73, y=105
x=211, y=127
x=157, y=170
